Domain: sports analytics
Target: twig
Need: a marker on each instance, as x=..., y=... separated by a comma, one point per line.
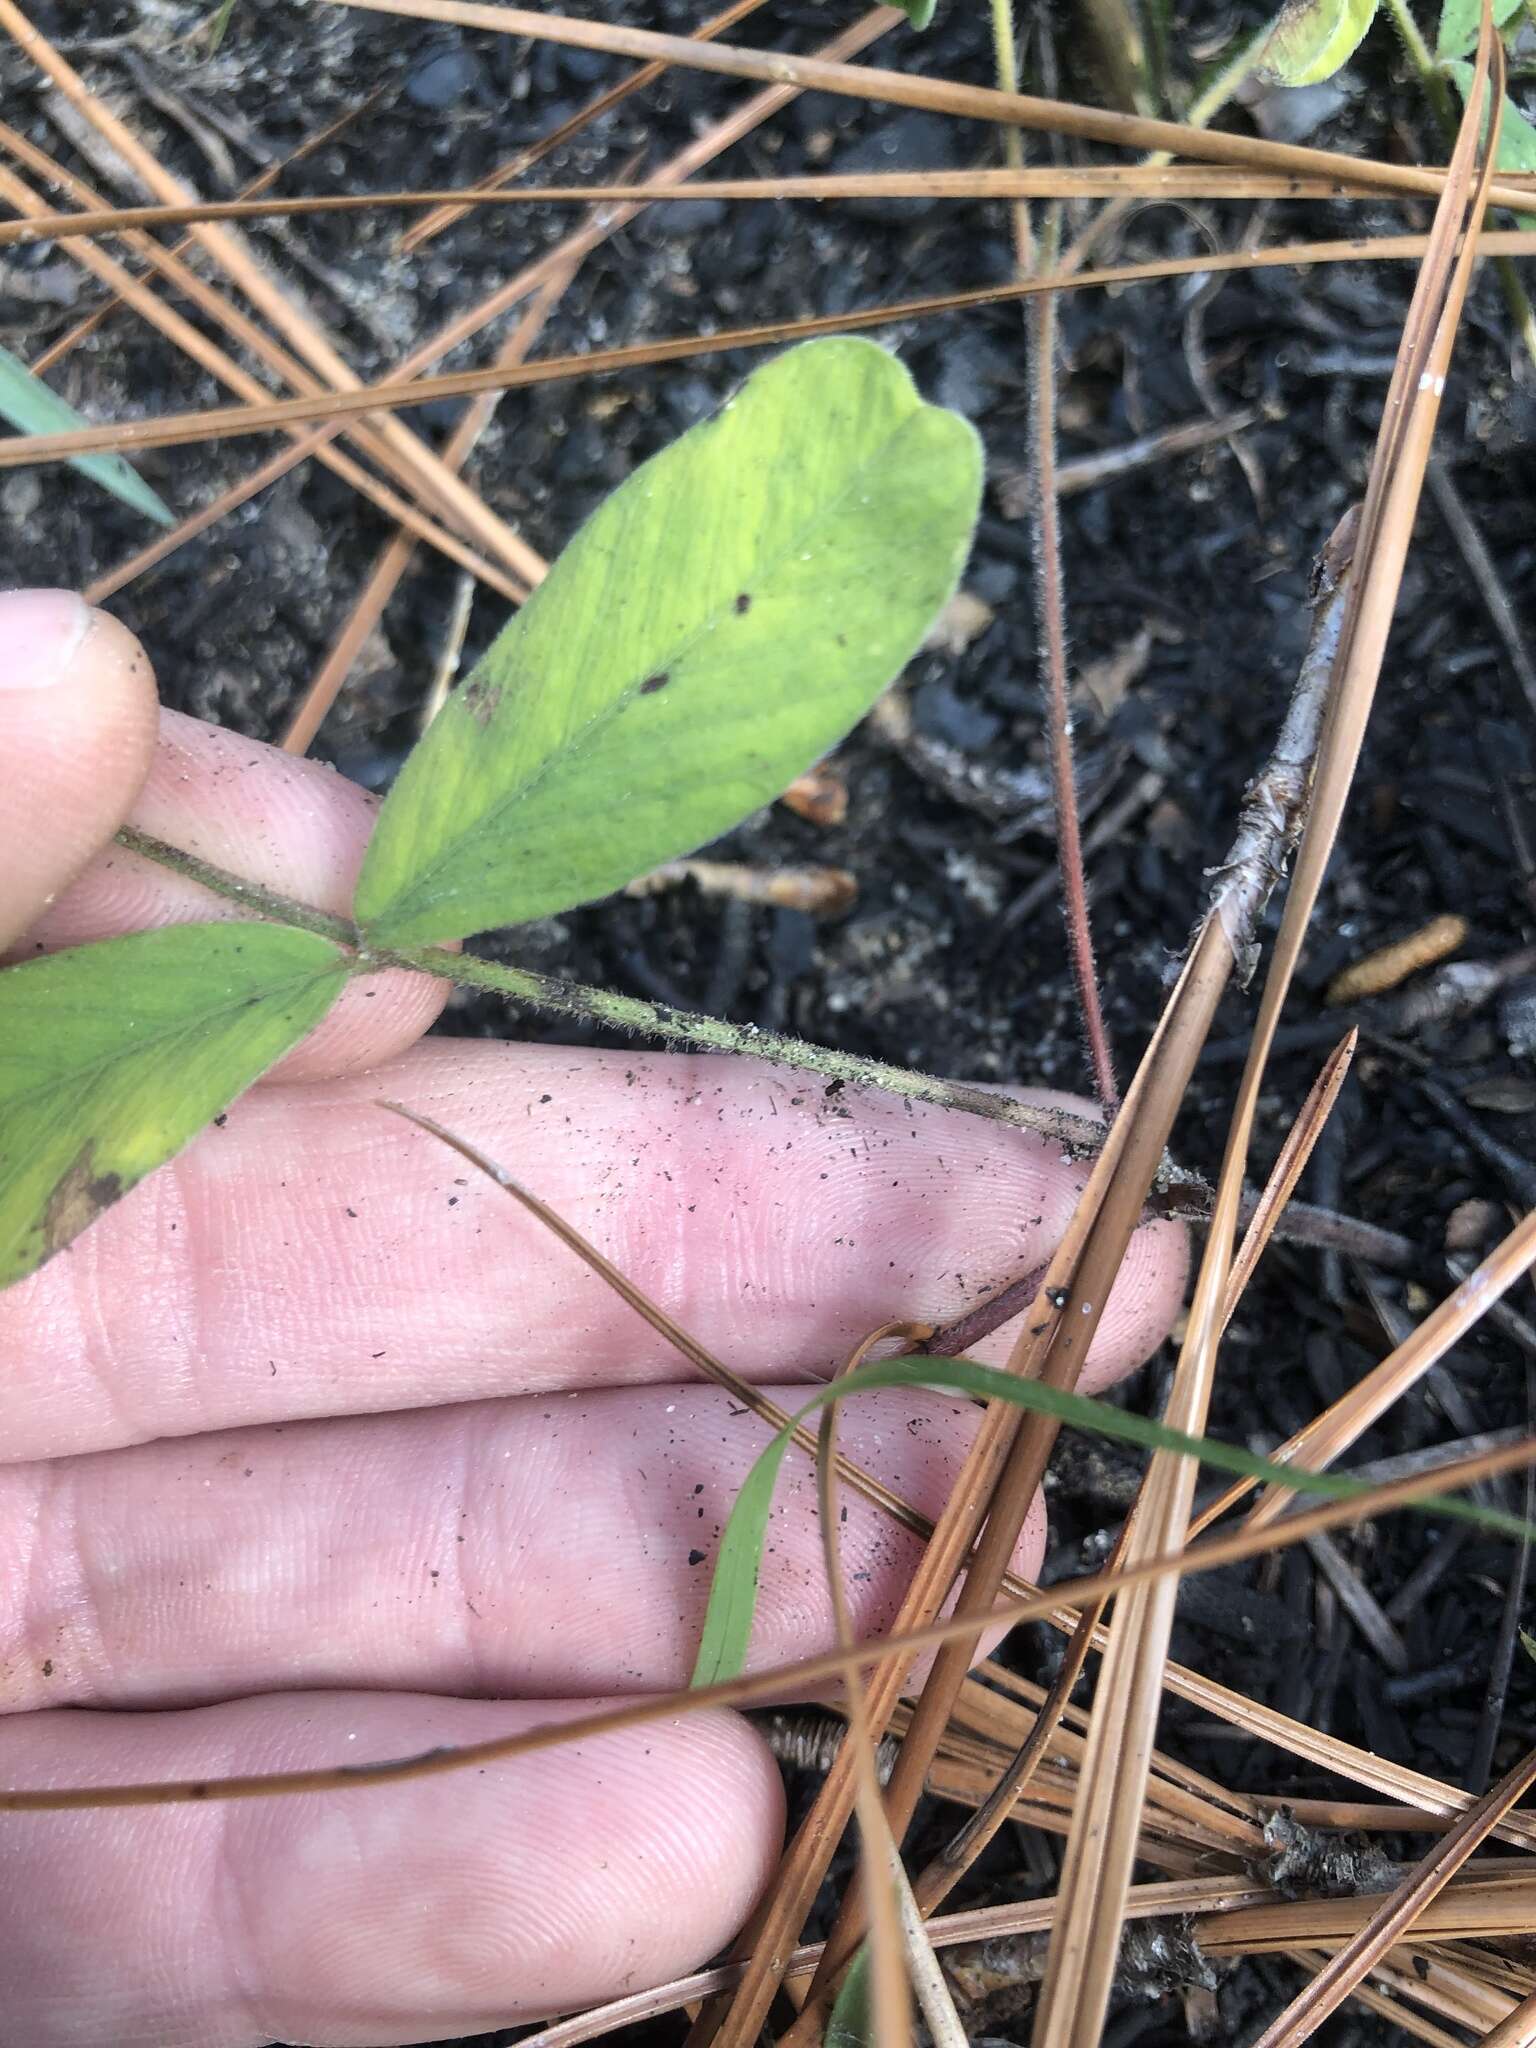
x=1056, y=1336
x=1480, y=566
x=1515, y=1168
x=1359, y=1603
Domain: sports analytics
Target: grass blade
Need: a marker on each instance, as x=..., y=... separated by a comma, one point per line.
x=733, y=1591
x=32, y=407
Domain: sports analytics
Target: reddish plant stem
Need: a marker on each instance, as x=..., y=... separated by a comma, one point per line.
x=1040, y=318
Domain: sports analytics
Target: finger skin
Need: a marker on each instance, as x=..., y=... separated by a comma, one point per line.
x=317, y=1256
x=291, y=825
x=77, y=725
x=377, y=1914
x=545, y=1547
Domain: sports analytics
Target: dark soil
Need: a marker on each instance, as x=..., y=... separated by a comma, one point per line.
x=932, y=968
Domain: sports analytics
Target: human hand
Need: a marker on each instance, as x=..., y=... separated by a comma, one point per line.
x=317, y=1450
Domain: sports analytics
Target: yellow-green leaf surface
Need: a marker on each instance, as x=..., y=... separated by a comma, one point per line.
x=32, y=407
x=1460, y=21
x=720, y=622
x=113, y=1055
x=1314, y=38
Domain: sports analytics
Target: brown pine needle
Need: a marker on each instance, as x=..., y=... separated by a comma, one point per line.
x=1288, y=1169
x=937, y=95
x=1328, y=1435
x=603, y=103
x=1398, y=1912
x=83, y=329
x=397, y=554
x=698, y=1355
x=207, y=355
x=1130, y=181
x=802, y=1678
x=890, y=2004
x=416, y=463
x=219, y=422
x=1096, y=1875
x=1518, y=2031
x=533, y=277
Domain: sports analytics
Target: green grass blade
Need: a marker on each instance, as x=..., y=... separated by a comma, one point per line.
x=32, y=408
x=733, y=1588
x=850, y=2022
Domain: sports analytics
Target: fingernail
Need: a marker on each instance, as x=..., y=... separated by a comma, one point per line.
x=39, y=633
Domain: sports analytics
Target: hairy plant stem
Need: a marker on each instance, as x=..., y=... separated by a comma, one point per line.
x=1031, y=255
x=251, y=896
x=1181, y=1195
x=1080, y=1136
x=1040, y=323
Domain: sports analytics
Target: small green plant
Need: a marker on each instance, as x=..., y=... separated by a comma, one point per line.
x=723, y=619
x=1312, y=39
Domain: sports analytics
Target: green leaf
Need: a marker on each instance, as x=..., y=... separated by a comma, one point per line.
x=733, y=1589
x=33, y=408
x=1315, y=38
x=218, y=26
x=1517, y=138
x=920, y=12
x=719, y=623
x=1460, y=21
x=850, y=2024
x=115, y=1054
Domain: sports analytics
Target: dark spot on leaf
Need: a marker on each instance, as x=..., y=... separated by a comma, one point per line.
x=480, y=697
x=743, y=600
x=47, y=1667
x=696, y=1557
x=220, y=1121
x=652, y=684
x=78, y=1199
